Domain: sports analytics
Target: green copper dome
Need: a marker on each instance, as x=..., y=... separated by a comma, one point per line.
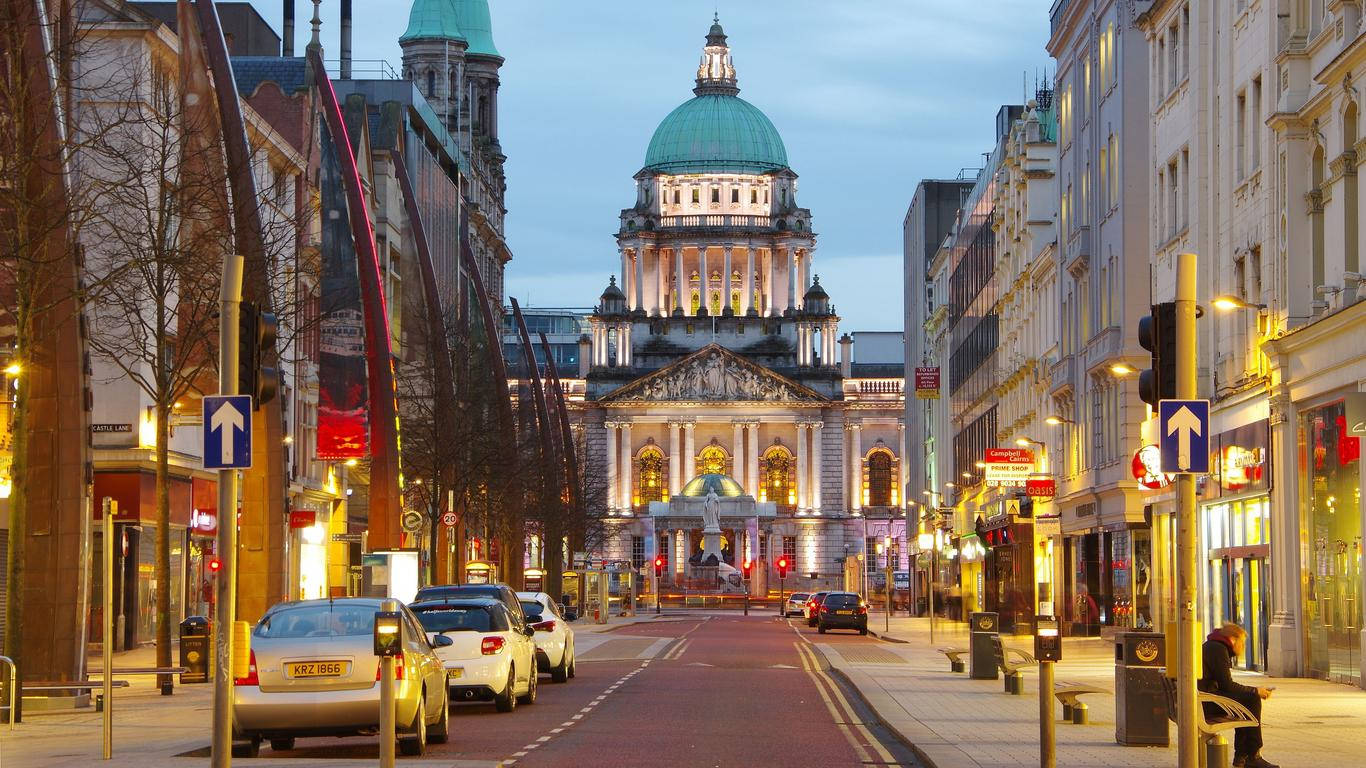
x=724, y=486
x=433, y=19
x=716, y=133
x=473, y=18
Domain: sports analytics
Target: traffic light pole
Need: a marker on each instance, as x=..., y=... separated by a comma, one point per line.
x=1187, y=737
x=230, y=298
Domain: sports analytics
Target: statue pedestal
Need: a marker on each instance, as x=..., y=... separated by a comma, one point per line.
x=711, y=545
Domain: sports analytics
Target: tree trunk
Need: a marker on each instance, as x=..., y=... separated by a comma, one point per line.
x=163, y=564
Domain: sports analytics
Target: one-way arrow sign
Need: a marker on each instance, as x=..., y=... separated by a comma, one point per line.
x=1183, y=432
x=227, y=432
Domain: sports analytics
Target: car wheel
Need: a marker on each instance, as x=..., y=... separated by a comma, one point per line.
x=560, y=674
x=416, y=743
x=282, y=745
x=863, y=630
x=507, y=700
x=440, y=732
x=251, y=748
x=530, y=696
x=821, y=629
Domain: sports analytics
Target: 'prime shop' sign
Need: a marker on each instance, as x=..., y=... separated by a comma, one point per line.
x=1008, y=467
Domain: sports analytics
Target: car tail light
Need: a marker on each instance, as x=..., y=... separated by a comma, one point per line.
x=824, y=609
x=544, y=626
x=491, y=645
x=398, y=667
x=862, y=609
x=252, y=678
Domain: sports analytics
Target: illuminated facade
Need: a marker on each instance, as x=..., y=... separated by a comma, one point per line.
x=719, y=353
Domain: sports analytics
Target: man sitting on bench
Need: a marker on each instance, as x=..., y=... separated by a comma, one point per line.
x=1222, y=646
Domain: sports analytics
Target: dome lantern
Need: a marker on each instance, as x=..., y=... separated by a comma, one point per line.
x=816, y=301
x=716, y=73
x=613, y=300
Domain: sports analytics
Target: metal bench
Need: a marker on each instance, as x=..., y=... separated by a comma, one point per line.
x=1217, y=753
x=1073, y=708
x=166, y=685
x=1014, y=677
x=955, y=656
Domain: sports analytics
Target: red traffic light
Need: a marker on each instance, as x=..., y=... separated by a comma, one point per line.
x=659, y=565
x=746, y=567
x=215, y=565
x=782, y=567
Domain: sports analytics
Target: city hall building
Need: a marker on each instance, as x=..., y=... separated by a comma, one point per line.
x=716, y=352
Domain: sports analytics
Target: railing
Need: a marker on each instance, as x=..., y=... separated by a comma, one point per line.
x=13, y=680
x=881, y=387
x=716, y=220
x=1056, y=15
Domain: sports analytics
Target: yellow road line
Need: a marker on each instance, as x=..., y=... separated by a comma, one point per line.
x=840, y=721
x=847, y=713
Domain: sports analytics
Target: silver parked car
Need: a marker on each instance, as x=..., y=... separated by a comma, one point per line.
x=795, y=604
x=313, y=672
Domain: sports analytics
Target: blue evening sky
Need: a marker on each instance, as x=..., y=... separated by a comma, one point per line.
x=869, y=95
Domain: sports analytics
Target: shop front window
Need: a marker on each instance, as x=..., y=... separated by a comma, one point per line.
x=1331, y=543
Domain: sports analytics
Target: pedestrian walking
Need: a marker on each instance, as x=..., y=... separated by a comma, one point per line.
x=1221, y=647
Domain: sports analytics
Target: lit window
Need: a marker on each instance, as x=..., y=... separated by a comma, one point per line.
x=880, y=479
x=712, y=461
x=777, y=482
x=651, y=476
x=696, y=195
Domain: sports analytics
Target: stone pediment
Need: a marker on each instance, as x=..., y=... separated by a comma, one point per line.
x=714, y=374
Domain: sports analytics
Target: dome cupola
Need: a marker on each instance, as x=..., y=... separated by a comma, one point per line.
x=432, y=20
x=723, y=485
x=613, y=300
x=716, y=131
x=816, y=301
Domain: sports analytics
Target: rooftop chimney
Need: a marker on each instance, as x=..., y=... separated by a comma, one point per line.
x=287, y=38
x=346, y=39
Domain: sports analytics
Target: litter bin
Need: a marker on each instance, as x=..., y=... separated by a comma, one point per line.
x=194, y=649
x=1140, y=700
x=983, y=628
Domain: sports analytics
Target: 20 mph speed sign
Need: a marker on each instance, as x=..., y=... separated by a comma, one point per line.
x=449, y=519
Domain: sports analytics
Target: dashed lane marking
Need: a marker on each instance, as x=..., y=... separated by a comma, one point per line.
x=572, y=718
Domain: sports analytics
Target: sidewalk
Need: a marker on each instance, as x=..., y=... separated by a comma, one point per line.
x=957, y=722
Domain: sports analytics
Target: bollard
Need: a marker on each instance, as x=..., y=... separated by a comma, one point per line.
x=388, y=645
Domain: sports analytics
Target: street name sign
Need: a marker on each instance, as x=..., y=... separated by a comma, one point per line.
x=1183, y=436
x=227, y=432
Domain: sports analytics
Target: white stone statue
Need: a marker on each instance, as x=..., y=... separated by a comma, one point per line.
x=711, y=513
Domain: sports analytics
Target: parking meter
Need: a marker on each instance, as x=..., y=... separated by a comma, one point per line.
x=388, y=633
x=1047, y=641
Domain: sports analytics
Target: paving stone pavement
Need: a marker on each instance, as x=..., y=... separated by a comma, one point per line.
x=957, y=722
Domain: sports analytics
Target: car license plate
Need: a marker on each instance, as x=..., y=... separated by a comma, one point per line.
x=316, y=668
x=845, y=613
x=455, y=673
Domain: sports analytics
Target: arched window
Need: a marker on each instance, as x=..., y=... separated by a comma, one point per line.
x=880, y=479
x=696, y=301
x=776, y=481
x=712, y=461
x=651, y=474
x=431, y=83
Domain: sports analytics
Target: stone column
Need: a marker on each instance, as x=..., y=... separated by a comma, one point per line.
x=626, y=277
x=726, y=281
x=802, y=473
x=903, y=468
x=737, y=453
x=625, y=471
x=661, y=283
x=799, y=278
x=679, y=281
x=790, y=279
x=703, y=278
x=675, y=458
x=752, y=463
x=1285, y=653
x=689, y=452
x=612, y=483
x=855, y=468
x=815, y=495
x=803, y=275
x=639, y=303
x=747, y=294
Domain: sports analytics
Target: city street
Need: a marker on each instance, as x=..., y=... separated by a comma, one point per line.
x=716, y=690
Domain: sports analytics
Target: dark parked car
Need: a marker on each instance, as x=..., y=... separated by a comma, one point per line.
x=813, y=607
x=843, y=610
x=441, y=592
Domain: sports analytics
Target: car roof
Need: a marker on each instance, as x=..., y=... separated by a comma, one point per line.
x=532, y=596
x=461, y=601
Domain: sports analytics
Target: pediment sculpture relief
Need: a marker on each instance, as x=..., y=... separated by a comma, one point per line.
x=715, y=376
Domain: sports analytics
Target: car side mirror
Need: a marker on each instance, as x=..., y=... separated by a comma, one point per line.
x=442, y=641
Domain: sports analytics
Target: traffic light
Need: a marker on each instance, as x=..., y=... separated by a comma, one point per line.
x=783, y=565
x=1157, y=334
x=659, y=566
x=256, y=334
x=215, y=565
x=747, y=566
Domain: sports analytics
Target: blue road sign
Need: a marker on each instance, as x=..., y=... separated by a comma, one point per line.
x=1183, y=436
x=227, y=432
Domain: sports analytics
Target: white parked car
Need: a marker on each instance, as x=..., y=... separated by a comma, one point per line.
x=554, y=638
x=491, y=655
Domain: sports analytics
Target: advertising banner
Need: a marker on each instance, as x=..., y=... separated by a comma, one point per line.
x=343, y=418
x=1008, y=467
x=927, y=382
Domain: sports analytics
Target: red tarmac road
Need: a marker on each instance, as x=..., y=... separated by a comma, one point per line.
x=721, y=690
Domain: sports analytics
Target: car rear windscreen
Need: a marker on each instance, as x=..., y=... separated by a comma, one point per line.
x=798, y=596
x=319, y=620
x=456, y=618
x=841, y=601
x=532, y=610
